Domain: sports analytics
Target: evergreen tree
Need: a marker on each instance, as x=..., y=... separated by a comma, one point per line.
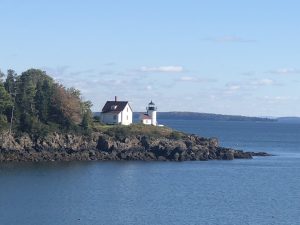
x=5, y=103
x=43, y=100
x=87, y=119
x=10, y=82
x=40, y=105
x=5, y=99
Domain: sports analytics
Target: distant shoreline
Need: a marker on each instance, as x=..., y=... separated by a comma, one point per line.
x=210, y=116
x=203, y=116
x=221, y=117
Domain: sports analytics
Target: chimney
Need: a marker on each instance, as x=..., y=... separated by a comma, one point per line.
x=116, y=98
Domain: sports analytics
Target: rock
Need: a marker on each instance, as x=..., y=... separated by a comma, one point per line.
x=99, y=146
x=145, y=142
x=213, y=142
x=161, y=158
x=242, y=155
x=104, y=144
x=260, y=154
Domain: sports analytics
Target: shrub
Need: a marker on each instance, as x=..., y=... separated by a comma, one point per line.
x=3, y=122
x=122, y=132
x=176, y=135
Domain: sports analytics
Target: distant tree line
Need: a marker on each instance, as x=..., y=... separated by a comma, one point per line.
x=34, y=103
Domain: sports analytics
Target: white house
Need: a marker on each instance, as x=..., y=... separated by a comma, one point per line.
x=149, y=118
x=116, y=112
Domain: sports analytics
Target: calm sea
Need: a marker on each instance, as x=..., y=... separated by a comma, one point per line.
x=261, y=191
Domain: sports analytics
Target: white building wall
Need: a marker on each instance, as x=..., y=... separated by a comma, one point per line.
x=130, y=115
x=154, y=122
x=126, y=116
x=152, y=114
x=147, y=121
x=120, y=118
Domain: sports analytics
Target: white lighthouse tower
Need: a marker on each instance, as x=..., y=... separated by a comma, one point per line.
x=149, y=118
x=151, y=111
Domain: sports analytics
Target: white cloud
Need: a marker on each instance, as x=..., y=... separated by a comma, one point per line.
x=56, y=71
x=162, y=69
x=81, y=72
x=186, y=78
x=212, y=97
x=188, y=98
x=233, y=87
x=263, y=82
x=278, y=99
x=285, y=71
x=194, y=79
x=247, y=87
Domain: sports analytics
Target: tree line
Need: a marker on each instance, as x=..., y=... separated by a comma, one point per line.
x=33, y=102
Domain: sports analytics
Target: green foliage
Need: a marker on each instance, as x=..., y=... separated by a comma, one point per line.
x=96, y=119
x=43, y=100
x=87, y=119
x=121, y=132
x=40, y=105
x=67, y=105
x=3, y=122
x=5, y=99
x=10, y=84
x=176, y=135
x=5, y=104
x=1, y=76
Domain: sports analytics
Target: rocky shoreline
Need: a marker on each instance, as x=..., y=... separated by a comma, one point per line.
x=100, y=146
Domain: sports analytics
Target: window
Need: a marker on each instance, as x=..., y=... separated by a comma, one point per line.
x=127, y=109
x=115, y=117
x=127, y=117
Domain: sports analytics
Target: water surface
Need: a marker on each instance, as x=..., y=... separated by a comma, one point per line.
x=259, y=191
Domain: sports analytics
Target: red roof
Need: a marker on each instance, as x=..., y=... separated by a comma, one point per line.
x=146, y=116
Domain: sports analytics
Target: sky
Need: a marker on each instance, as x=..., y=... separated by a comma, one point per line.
x=212, y=56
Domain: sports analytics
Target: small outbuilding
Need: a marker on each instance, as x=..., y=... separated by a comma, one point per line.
x=116, y=112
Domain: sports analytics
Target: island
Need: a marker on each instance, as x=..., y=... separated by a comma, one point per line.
x=41, y=120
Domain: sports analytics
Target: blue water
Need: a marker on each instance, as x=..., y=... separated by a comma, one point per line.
x=273, y=137
x=258, y=191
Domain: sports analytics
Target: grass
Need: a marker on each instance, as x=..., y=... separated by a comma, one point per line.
x=121, y=131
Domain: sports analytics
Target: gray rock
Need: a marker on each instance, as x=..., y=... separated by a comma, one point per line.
x=99, y=146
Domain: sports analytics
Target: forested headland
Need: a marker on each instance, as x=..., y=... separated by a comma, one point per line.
x=41, y=120
x=35, y=103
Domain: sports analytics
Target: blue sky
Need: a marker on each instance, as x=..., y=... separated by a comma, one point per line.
x=229, y=57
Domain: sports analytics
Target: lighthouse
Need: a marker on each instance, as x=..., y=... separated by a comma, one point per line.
x=149, y=118
x=151, y=111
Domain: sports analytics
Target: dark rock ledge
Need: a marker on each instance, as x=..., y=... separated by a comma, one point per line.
x=100, y=146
